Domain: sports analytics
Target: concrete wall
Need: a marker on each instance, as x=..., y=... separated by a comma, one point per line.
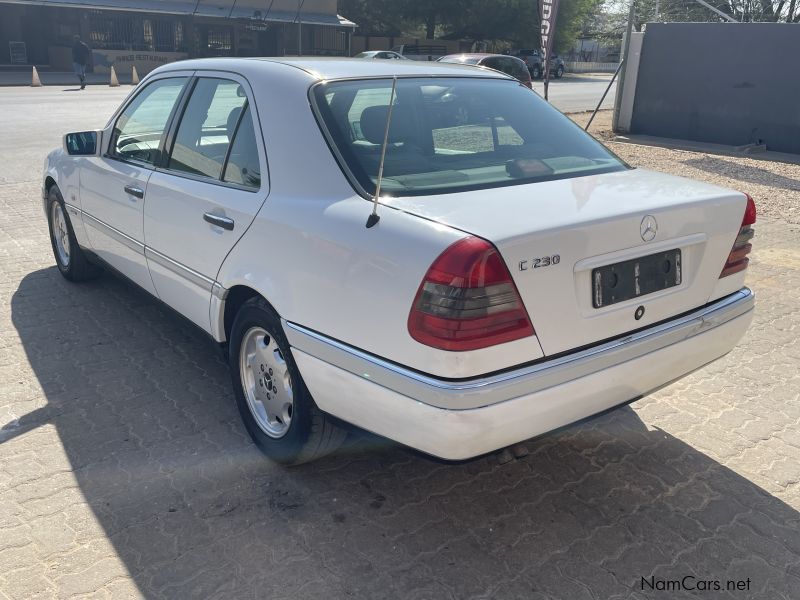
x=726, y=83
x=628, y=94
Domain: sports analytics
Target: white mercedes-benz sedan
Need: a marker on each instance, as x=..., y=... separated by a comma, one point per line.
x=429, y=252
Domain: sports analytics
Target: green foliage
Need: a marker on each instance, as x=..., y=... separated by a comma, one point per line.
x=571, y=21
x=647, y=11
x=509, y=23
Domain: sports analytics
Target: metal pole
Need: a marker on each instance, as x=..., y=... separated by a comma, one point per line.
x=546, y=74
x=299, y=28
x=610, y=83
x=621, y=84
x=725, y=16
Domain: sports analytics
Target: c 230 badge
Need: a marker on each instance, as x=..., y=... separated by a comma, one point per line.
x=539, y=263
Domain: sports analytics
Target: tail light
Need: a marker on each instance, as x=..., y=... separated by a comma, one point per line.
x=468, y=300
x=737, y=259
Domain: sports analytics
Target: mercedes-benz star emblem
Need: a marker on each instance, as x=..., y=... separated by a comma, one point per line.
x=649, y=228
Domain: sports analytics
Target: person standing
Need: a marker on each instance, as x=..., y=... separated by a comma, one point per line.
x=80, y=58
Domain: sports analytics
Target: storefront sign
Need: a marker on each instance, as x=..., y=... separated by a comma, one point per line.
x=123, y=61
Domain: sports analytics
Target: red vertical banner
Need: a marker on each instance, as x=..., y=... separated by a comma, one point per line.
x=548, y=10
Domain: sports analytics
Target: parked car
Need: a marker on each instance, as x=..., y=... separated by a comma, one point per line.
x=428, y=52
x=533, y=60
x=518, y=276
x=499, y=62
x=380, y=54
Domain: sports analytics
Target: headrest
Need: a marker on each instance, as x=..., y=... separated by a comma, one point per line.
x=233, y=119
x=373, y=124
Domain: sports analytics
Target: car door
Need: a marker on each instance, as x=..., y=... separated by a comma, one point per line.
x=113, y=186
x=211, y=186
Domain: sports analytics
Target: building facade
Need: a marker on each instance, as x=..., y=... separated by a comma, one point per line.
x=147, y=33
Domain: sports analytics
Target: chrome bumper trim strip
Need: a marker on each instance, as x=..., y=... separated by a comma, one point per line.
x=191, y=275
x=116, y=234
x=484, y=391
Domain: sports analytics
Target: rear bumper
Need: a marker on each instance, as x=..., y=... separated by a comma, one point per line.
x=458, y=420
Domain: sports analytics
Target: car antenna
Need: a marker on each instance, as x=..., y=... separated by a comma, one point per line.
x=374, y=217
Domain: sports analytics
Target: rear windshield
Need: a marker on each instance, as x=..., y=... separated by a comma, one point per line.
x=453, y=134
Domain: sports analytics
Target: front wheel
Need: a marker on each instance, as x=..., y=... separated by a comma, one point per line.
x=536, y=72
x=277, y=409
x=559, y=72
x=70, y=258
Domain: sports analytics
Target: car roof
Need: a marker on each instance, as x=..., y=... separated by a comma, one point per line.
x=473, y=55
x=325, y=68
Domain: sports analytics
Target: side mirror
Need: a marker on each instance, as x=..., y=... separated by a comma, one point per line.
x=84, y=143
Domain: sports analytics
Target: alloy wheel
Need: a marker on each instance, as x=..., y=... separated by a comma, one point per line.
x=267, y=382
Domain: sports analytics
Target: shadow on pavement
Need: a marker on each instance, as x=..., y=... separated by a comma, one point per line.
x=747, y=173
x=142, y=405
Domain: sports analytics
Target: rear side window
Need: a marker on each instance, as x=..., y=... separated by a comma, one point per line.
x=517, y=68
x=207, y=127
x=243, y=167
x=139, y=130
x=453, y=134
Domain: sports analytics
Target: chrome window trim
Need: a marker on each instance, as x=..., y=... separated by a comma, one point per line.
x=206, y=179
x=486, y=390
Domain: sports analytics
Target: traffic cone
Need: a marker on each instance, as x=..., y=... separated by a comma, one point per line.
x=134, y=76
x=114, y=81
x=35, y=81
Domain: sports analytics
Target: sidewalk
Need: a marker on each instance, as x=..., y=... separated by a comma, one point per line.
x=23, y=78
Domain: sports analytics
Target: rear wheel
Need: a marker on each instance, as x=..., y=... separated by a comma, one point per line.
x=70, y=258
x=277, y=409
x=536, y=72
x=559, y=72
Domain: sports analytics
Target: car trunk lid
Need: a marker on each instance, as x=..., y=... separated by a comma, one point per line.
x=556, y=236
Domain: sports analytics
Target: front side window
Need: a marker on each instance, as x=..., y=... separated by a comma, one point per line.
x=207, y=127
x=454, y=134
x=140, y=128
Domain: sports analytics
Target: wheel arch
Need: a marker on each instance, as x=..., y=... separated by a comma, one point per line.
x=235, y=298
x=49, y=182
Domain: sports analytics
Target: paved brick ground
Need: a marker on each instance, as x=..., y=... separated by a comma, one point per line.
x=124, y=470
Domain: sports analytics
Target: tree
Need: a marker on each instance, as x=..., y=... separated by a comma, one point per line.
x=571, y=19
x=374, y=16
x=432, y=14
x=787, y=11
x=508, y=22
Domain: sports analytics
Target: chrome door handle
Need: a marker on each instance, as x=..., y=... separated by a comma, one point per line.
x=223, y=222
x=134, y=191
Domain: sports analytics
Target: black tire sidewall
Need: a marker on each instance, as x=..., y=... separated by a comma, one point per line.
x=285, y=449
x=54, y=197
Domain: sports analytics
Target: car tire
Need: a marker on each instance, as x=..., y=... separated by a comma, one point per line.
x=70, y=258
x=277, y=409
x=559, y=72
x=536, y=72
